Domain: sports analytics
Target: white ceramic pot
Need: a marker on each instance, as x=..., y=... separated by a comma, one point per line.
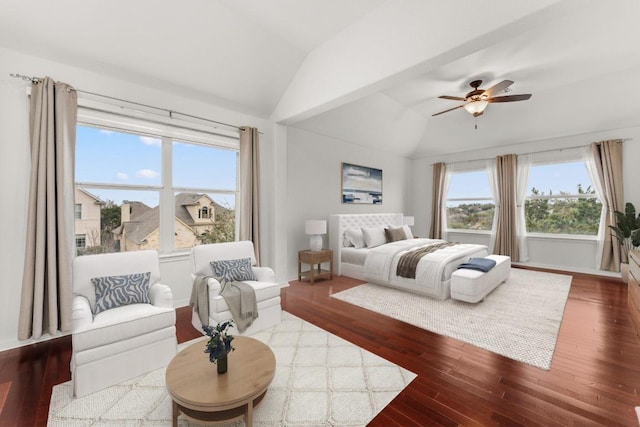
x=624, y=271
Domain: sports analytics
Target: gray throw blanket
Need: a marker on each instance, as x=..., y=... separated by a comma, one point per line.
x=199, y=300
x=241, y=299
x=239, y=296
x=408, y=263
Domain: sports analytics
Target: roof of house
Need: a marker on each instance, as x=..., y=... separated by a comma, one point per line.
x=145, y=221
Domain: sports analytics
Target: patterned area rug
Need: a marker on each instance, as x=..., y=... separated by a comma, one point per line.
x=321, y=380
x=520, y=319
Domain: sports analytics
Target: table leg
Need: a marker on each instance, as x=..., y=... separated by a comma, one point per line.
x=174, y=414
x=249, y=416
x=299, y=271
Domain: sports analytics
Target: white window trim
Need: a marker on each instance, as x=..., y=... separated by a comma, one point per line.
x=173, y=130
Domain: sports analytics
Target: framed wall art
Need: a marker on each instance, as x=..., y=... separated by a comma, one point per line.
x=361, y=184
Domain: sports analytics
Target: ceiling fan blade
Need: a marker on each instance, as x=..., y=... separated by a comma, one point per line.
x=453, y=98
x=446, y=111
x=510, y=98
x=497, y=88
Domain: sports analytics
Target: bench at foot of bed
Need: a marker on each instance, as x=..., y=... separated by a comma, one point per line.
x=472, y=285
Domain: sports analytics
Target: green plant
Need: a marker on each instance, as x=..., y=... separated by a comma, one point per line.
x=627, y=229
x=219, y=344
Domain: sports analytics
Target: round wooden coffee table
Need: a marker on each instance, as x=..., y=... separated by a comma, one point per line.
x=202, y=394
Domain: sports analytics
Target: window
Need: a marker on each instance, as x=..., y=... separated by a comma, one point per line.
x=77, y=211
x=561, y=200
x=160, y=191
x=469, y=201
x=81, y=241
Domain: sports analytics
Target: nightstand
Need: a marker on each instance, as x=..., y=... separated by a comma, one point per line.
x=315, y=258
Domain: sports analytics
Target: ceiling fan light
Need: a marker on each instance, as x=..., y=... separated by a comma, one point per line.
x=476, y=107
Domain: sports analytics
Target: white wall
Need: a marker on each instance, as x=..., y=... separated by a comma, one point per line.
x=15, y=164
x=315, y=180
x=571, y=255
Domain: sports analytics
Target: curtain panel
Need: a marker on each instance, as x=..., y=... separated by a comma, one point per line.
x=506, y=242
x=437, y=200
x=45, y=304
x=607, y=162
x=249, y=227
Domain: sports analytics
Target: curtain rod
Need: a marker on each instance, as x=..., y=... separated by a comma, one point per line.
x=534, y=152
x=36, y=80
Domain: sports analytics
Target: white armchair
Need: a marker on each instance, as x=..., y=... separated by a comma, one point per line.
x=267, y=290
x=123, y=342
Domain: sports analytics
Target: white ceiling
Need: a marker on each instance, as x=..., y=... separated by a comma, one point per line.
x=365, y=71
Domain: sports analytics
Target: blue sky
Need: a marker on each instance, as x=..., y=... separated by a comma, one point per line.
x=112, y=157
x=555, y=177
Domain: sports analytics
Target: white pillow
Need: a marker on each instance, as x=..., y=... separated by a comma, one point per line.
x=355, y=237
x=407, y=231
x=374, y=236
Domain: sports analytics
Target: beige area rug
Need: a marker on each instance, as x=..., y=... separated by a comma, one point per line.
x=520, y=319
x=321, y=380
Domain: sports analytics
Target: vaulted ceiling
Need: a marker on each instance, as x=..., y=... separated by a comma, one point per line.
x=364, y=71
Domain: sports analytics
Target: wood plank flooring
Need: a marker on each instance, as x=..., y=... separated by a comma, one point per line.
x=594, y=376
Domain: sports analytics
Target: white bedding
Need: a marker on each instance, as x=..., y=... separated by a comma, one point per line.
x=433, y=272
x=354, y=255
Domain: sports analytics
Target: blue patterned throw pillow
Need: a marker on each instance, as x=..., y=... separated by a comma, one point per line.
x=233, y=270
x=116, y=291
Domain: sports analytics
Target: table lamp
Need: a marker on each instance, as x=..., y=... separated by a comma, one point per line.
x=316, y=228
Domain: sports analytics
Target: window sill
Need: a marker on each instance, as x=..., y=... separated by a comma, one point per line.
x=576, y=237
x=479, y=232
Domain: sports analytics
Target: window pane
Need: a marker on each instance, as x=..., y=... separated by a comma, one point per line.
x=563, y=216
x=566, y=215
x=470, y=215
x=118, y=220
x=558, y=178
x=470, y=185
x=199, y=166
x=204, y=218
x=110, y=157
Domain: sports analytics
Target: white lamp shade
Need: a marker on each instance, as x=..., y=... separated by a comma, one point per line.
x=408, y=220
x=315, y=226
x=476, y=107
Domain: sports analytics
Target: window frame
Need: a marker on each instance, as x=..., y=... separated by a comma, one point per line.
x=543, y=160
x=476, y=166
x=168, y=132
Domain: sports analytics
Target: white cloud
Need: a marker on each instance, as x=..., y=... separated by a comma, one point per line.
x=147, y=140
x=121, y=176
x=106, y=131
x=147, y=173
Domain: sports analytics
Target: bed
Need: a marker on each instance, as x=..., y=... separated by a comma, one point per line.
x=378, y=264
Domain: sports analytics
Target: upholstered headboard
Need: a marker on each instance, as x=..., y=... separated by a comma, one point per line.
x=341, y=222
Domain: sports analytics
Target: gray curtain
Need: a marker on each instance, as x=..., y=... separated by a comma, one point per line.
x=506, y=236
x=607, y=157
x=249, y=228
x=437, y=199
x=45, y=304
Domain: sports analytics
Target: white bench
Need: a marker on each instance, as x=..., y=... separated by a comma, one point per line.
x=473, y=285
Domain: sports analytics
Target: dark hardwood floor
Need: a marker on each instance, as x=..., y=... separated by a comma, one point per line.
x=592, y=381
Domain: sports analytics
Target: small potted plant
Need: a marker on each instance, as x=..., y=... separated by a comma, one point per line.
x=627, y=231
x=219, y=344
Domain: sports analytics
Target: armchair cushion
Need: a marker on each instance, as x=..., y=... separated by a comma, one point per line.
x=116, y=291
x=230, y=270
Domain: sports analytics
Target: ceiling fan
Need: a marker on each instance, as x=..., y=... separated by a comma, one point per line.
x=478, y=99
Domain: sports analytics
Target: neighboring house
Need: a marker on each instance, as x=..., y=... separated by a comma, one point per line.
x=140, y=224
x=87, y=219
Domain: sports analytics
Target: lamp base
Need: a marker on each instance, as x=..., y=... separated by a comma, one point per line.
x=315, y=243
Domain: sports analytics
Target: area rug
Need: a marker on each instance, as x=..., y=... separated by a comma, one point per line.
x=520, y=319
x=321, y=380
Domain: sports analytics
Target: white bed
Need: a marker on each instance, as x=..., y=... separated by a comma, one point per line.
x=378, y=264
